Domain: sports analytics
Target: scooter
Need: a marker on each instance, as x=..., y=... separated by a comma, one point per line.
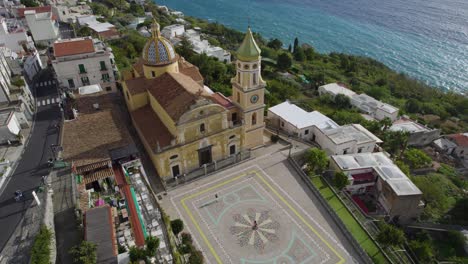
x=18, y=195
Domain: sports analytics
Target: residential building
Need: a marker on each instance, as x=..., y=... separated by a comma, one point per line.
x=366, y=104
x=10, y=128
x=43, y=26
x=69, y=13
x=318, y=128
x=374, y=177
x=334, y=89
x=32, y=64
x=100, y=230
x=14, y=36
x=104, y=30
x=461, y=145
x=173, y=31
x=419, y=135
x=346, y=139
x=183, y=125
x=203, y=46
x=297, y=122
x=373, y=107
x=84, y=61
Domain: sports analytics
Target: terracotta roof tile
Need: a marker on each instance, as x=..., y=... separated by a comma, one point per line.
x=151, y=127
x=222, y=100
x=190, y=70
x=460, y=139
x=139, y=85
x=88, y=138
x=176, y=92
x=73, y=47
x=39, y=9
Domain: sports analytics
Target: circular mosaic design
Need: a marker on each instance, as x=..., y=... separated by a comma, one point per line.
x=255, y=229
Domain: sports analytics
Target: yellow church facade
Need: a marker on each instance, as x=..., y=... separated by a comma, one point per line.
x=183, y=125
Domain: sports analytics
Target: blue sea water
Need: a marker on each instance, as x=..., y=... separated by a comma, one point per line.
x=426, y=39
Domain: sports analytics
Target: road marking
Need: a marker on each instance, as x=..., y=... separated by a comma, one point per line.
x=38, y=103
x=52, y=100
x=48, y=101
x=50, y=82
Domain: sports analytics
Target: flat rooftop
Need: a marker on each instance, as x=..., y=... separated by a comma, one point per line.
x=384, y=167
x=300, y=118
x=5, y=117
x=354, y=132
x=408, y=126
x=99, y=229
x=337, y=88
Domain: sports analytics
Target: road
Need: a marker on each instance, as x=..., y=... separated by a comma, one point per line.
x=33, y=163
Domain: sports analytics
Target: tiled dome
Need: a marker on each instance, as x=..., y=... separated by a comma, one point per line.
x=158, y=50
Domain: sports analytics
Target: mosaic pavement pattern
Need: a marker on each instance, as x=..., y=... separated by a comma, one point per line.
x=223, y=217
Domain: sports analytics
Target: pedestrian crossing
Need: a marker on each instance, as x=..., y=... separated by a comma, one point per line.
x=45, y=83
x=48, y=101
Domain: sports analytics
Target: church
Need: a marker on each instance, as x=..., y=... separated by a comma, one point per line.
x=182, y=123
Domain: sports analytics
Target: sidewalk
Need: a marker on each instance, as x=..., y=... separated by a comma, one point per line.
x=18, y=248
x=13, y=154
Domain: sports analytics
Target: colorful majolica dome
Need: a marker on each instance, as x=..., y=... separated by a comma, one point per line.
x=158, y=50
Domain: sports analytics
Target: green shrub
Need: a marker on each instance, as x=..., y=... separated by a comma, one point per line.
x=177, y=226
x=40, y=252
x=274, y=138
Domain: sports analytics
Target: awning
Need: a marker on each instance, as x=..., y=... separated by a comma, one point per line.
x=98, y=175
x=368, y=176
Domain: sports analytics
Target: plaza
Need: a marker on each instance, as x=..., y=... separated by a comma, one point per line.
x=258, y=212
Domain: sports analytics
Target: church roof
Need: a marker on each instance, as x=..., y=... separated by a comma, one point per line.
x=158, y=50
x=176, y=92
x=152, y=128
x=248, y=50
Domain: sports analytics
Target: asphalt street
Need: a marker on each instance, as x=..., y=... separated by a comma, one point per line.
x=33, y=163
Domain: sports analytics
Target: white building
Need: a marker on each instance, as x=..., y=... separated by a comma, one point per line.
x=9, y=127
x=367, y=104
x=334, y=89
x=5, y=80
x=43, y=26
x=32, y=64
x=346, y=140
x=14, y=36
x=84, y=61
x=296, y=122
x=318, y=128
x=373, y=107
x=173, y=31
x=69, y=13
x=105, y=30
x=459, y=146
x=419, y=135
x=375, y=174
x=203, y=46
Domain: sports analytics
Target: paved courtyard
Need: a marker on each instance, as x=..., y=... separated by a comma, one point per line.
x=258, y=212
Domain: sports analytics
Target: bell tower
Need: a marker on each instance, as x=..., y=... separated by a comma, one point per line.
x=248, y=89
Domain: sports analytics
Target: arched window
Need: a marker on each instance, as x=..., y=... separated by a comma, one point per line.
x=174, y=157
x=238, y=97
x=254, y=78
x=255, y=66
x=254, y=119
x=202, y=128
x=238, y=77
x=246, y=67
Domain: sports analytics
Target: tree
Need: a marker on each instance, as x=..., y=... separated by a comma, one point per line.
x=29, y=3
x=284, y=61
x=85, y=253
x=84, y=32
x=185, y=48
x=296, y=44
x=196, y=257
x=386, y=123
x=340, y=180
x=342, y=101
x=309, y=52
x=152, y=244
x=403, y=167
x=40, y=251
x=299, y=54
x=289, y=48
x=136, y=254
x=390, y=235
x=423, y=250
x=417, y=159
x=395, y=142
x=317, y=160
x=177, y=226
x=275, y=44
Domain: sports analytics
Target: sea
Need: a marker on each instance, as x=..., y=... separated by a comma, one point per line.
x=425, y=39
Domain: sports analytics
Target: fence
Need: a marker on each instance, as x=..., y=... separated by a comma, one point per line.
x=207, y=169
x=393, y=255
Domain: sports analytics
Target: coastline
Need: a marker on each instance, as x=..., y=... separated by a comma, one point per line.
x=412, y=54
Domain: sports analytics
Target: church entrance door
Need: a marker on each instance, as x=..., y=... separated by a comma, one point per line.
x=204, y=155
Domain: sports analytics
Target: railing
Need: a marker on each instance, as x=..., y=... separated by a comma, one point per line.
x=207, y=169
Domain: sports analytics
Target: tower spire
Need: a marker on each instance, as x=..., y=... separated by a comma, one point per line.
x=155, y=29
